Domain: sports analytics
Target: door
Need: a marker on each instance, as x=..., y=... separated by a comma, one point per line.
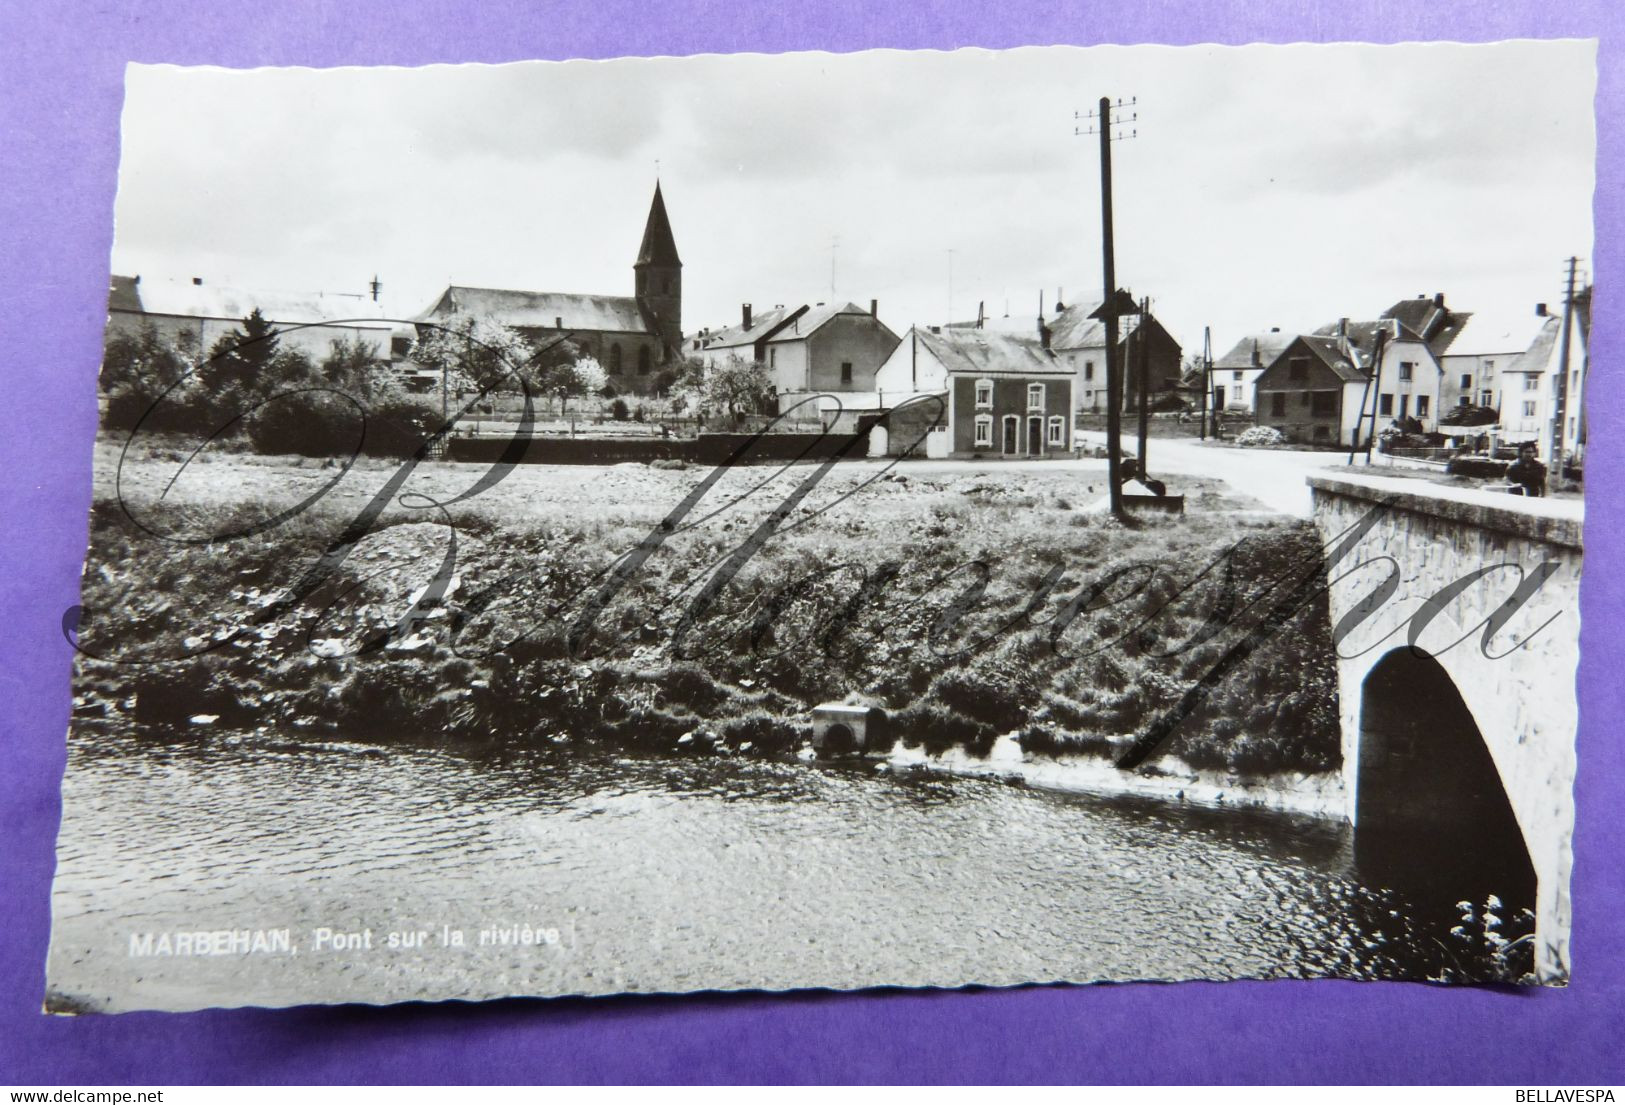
x=1012, y=430
x=1035, y=436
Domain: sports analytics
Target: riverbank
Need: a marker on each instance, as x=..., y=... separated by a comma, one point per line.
x=966, y=602
x=1320, y=795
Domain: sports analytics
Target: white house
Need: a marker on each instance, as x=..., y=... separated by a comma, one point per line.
x=1530, y=386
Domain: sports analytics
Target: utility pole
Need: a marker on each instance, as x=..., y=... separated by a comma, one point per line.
x=1145, y=381
x=1101, y=123
x=1377, y=352
x=1207, y=375
x=1560, y=398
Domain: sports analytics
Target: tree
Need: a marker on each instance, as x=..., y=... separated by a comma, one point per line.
x=142, y=361
x=481, y=352
x=734, y=387
x=241, y=357
x=348, y=365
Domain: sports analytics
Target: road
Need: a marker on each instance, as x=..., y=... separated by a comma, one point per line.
x=1275, y=477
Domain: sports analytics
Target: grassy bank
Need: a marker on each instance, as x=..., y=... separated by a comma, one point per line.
x=968, y=604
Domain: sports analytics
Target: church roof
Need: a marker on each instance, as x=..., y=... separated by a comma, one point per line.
x=541, y=310
x=659, y=247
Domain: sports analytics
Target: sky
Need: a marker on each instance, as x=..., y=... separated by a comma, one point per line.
x=1265, y=186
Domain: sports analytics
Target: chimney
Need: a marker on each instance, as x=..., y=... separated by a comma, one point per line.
x=1258, y=359
x=1043, y=335
x=1275, y=329
x=138, y=278
x=1059, y=306
x=1438, y=300
x=936, y=329
x=1540, y=310
x=744, y=315
x=874, y=308
x=197, y=280
x=558, y=322
x=1343, y=327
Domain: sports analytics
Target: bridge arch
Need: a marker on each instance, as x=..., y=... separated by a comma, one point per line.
x=1430, y=806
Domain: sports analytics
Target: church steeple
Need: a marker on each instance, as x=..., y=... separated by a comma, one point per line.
x=658, y=276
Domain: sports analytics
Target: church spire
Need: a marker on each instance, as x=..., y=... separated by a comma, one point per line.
x=659, y=247
x=658, y=279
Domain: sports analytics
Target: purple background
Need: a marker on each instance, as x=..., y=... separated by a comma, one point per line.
x=61, y=73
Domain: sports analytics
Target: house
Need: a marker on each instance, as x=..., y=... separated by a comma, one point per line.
x=1079, y=340
x=633, y=337
x=1473, y=363
x=193, y=315
x=810, y=348
x=1235, y=375
x=1007, y=394
x=1313, y=392
x=1531, y=383
x=1409, y=379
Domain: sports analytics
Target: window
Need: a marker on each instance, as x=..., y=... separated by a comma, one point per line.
x=1531, y=382
x=1422, y=405
x=615, y=359
x=1466, y=381
x=1325, y=405
x=984, y=430
x=1035, y=397
x=1057, y=430
x=643, y=360
x=1486, y=398
x=1088, y=370
x=1235, y=392
x=1407, y=370
x=1236, y=375
x=773, y=357
x=1465, y=400
x=1385, y=404
x=1489, y=366
x=1278, y=403
x=1298, y=369
x=1405, y=405
x=1529, y=408
x=984, y=394
x=846, y=372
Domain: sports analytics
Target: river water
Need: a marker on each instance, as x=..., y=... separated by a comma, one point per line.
x=648, y=874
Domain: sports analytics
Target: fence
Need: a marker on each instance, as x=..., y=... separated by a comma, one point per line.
x=706, y=449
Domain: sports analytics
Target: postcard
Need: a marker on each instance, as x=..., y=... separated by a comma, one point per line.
x=914, y=519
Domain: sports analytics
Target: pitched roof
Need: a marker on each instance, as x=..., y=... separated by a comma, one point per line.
x=659, y=247
x=1539, y=354
x=184, y=299
x=816, y=316
x=522, y=309
x=1074, y=328
x=1433, y=322
x=1267, y=345
x=989, y=353
x=1330, y=352
x=1487, y=335
x=761, y=324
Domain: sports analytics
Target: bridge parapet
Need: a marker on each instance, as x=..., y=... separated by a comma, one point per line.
x=1454, y=558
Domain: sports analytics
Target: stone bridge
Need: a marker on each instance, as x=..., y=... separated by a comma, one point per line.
x=1458, y=754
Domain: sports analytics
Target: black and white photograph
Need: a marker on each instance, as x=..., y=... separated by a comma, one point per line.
x=834, y=521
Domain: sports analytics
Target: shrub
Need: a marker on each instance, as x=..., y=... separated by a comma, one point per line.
x=1482, y=468
x=398, y=424
x=1260, y=436
x=307, y=422
x=618, y=410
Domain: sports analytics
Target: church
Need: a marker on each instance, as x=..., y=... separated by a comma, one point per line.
x=634, y=337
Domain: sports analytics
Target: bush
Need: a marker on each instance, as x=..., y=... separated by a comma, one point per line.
x=1260, y=436
x=618, y=410
x=309, y=422
x=1482, y=468
x=398, y=424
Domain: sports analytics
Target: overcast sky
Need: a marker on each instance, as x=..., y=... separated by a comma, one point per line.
x=1268, y=185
